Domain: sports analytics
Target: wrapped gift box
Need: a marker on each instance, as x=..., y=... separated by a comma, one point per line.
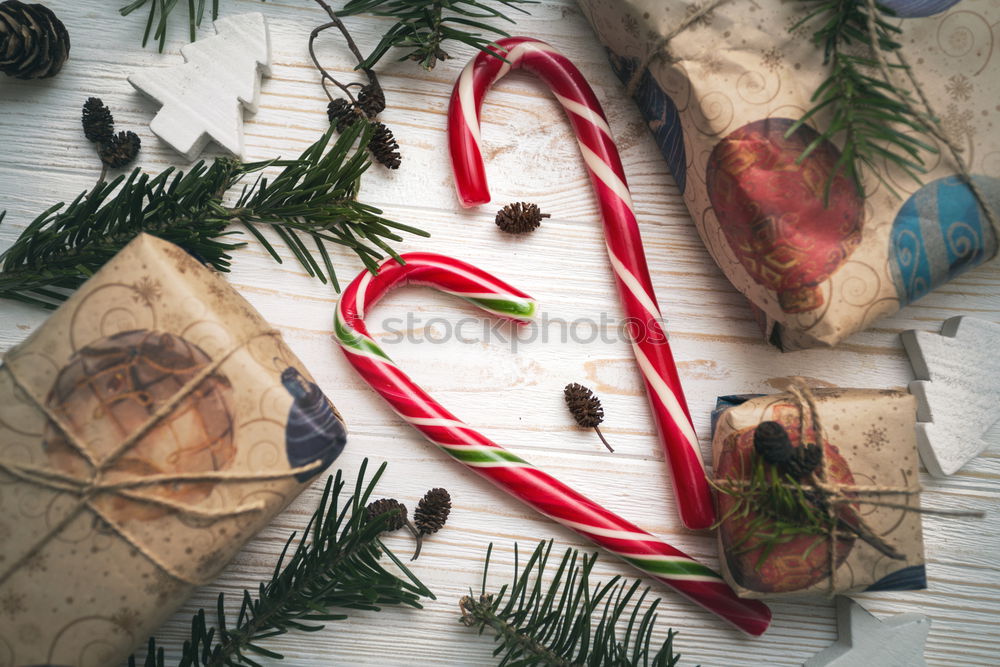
x=147, y=431
x=719, y=98
x=870, y=455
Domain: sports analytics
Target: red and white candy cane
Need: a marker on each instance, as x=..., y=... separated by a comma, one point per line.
x=509, y=471
x=621, y=233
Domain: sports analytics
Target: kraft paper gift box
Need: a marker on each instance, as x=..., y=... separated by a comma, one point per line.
x=719, y=98
x=148, y=429
x=871, y=463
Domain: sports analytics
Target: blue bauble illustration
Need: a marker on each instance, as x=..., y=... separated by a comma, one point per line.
x=912, y=578
x=939, y=233
x=660, y=113
x=911, y=9
x=313, y=430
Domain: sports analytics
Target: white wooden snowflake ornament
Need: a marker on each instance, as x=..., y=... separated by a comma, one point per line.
x=865, y=641
x=204, y=98
x=957, y=390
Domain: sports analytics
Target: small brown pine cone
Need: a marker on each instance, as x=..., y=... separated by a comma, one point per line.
x=771, y=442
x=371, y=101
x=519, y=217
x=342, y=114
x=432, y=511
x=98, y=123
x=583, y=405
x=396, y=509
x=120, y=150
x=804, y=460
x=34, y=43
x=383, y=146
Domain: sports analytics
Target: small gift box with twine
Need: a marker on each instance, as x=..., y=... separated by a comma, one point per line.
x=147, y=430
x=818, y=492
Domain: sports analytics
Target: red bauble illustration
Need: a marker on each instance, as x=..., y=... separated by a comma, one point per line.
x=804, y=559
x=772, y=210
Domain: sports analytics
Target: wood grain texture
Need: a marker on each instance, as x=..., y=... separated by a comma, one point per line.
x=511, y=388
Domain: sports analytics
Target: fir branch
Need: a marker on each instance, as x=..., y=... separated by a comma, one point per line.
x=875, y=120
x=777, y=507
x=423, y=26
x=159, y=14
x=336, y=564
x=311, y=203
x=554, y=625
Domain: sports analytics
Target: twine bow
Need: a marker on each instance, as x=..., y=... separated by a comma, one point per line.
x=93, y=485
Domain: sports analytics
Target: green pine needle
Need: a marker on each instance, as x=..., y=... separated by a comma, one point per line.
x=159, y=13
x=535, y=624
x=310, y=203
x=336, y=565
x=875, y=120
x=777, y=509
x=423, y=26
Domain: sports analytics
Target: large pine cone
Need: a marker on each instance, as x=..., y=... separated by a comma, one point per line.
x=34, y=43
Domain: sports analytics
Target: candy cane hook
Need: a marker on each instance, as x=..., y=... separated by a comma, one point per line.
x=621, y=232
x=508, y=471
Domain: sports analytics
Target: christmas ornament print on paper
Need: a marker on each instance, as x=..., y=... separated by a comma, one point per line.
x=774, y=211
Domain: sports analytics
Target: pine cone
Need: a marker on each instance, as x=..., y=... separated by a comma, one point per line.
x=98, y=123
x=803, y=461
x=120, y=150
x=383, y=146
x=432, y=511
x=771, y=442
x=377, y=508
x=519, y=218
x=34, y=43
x=371, y=101
x=583, y=405
x=342, y=114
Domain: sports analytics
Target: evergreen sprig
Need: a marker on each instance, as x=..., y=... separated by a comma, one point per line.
x=535, y=624
x=312, y=201
x=336, y=564
x=777, y=507
x=875, y=119
x=159, y=13
x=423, y=26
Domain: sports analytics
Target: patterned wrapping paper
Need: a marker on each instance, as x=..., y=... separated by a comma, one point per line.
x=719, y=106
x=82, y=583
x=872, y=435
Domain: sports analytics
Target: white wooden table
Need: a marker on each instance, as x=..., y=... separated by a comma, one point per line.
x=515, y=396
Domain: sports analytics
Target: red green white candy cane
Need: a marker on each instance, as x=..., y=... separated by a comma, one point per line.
x=508, y=471
x=621, y=233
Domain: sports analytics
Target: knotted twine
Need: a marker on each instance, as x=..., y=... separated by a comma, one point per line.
x=89, y=488
x=930, y=121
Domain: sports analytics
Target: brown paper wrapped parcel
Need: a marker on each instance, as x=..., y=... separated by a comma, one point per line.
x=720, y=97
x=870, y=455
x=147, y=430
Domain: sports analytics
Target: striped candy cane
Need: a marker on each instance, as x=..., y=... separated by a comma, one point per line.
x=505, y=469
x=621, y=232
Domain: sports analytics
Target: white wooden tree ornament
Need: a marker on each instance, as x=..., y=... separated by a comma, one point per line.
x=866, y=641
x=204, y=98
x=957, y=390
